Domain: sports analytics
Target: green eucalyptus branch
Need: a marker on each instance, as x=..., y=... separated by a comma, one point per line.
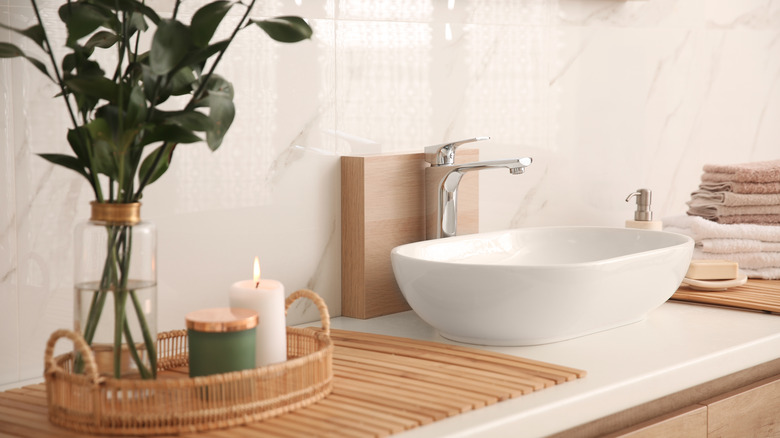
x=176, y=9
x=117, y=114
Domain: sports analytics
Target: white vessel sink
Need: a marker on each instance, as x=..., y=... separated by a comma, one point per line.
x=538, y=285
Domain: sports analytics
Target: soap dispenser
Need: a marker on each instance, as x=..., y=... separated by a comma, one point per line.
x=643, y=216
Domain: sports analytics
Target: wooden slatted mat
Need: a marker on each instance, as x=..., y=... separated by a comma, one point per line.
x=761, y=295
x=382, y=385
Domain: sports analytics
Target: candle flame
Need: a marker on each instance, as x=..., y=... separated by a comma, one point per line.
x=256, y=272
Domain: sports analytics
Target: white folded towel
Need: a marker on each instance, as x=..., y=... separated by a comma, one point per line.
x=765, y=274
x=699, y=228
x=728, y=246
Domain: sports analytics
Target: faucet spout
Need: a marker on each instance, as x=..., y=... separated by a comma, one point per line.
x=447, y=217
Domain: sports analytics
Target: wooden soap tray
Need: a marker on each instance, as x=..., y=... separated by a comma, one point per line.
x=762, y=295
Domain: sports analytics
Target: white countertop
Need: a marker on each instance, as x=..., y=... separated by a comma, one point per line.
x=678, y=346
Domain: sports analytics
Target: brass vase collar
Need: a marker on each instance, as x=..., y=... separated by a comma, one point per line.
x=117, y=214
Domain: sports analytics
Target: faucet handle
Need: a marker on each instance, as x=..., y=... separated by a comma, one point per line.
x=444, y=154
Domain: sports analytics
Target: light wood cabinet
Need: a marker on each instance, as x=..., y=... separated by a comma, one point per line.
x=752, y=411
x=690, y=422
x=749, y=411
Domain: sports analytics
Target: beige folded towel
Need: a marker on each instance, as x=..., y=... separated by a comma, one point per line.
x=755, y=172
x=740, y=187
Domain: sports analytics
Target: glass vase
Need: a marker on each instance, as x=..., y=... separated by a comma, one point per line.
x=115, y=280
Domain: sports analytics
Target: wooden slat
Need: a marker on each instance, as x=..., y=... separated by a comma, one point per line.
x=763, y=295
x=382, y=385
x=484, y=358
x=443, y=372
x=478, y=396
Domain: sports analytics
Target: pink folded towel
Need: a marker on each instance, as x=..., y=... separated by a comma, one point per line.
x=758, y=219
x=717, y=212
x=703, y=198
x=741, y=187
x=756, y=172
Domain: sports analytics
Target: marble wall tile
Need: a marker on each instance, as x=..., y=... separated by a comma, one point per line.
x=42, y=203
x=631, y=13
x=9, y=297
x=750, y=14
x=383, y=88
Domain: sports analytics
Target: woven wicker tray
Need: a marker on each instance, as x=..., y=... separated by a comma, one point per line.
x=95, y=404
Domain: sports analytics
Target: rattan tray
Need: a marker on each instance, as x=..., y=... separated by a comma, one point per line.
x=96, y=404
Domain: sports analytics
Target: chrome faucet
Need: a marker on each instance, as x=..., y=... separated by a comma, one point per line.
x=443, y=186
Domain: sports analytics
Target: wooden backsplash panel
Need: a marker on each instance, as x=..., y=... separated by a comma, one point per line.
x=383, y=206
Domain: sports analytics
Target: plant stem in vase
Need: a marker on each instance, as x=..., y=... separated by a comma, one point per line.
x=116, y=264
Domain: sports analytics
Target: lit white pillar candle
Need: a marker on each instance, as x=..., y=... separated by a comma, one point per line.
x=266, y=297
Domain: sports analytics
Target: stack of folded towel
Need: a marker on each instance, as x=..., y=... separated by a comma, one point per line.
x=739, y=194
x=735, y=215
x=756, y=248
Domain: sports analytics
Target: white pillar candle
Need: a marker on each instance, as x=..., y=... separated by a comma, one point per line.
x=266, y=297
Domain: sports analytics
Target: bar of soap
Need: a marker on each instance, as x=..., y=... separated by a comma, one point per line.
x=713, y=270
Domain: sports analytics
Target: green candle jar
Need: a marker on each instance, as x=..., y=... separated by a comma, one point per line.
x=221, y=340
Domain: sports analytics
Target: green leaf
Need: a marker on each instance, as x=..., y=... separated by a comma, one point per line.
x=182, y=80
x=129, y=6
x=8, y=50
x=191, y=120
x=103, y=39
x=34, y=33
x=67, y=161
x=94, y=86
x=103, y=159
x=170, y=134
x=286, y=29
x=206, y=20
x=81, y=19
x=102, y=156
x=161, y=166
x=198, y=57
x=169, y=46
x=221, y=113
x=137, y=22
x=136, y=108
x=37, y=34
x=219, y=99
x=150, y=82
x=216, y=83
x=219, y=84
x=76, y=138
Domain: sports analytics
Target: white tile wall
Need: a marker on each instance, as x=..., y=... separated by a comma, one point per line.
x=606, y=95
